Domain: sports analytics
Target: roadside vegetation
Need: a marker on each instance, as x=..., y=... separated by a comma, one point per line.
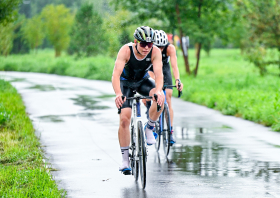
x=22, y=171
x=228, y=83
x=98, y=67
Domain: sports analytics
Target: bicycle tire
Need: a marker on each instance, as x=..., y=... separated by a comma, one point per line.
x=166, y=125
x=133, y=163
x=157, y=130
x=142, y=154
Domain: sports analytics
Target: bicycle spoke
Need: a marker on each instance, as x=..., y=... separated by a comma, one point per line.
x=142, y=154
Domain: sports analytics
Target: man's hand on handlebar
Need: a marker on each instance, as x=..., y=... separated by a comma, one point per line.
x=160, y=97
x=179, y=85
x=119, y=100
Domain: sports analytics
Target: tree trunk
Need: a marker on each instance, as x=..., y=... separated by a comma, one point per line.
x=198, y=47
x=186, y=58
x=57, y=53
x=197, y=60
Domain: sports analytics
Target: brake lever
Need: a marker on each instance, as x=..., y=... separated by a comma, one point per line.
x=119, y=109
x=179, y=92
x=158, y=106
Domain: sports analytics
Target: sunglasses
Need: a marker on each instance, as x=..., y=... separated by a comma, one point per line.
x=144, y=44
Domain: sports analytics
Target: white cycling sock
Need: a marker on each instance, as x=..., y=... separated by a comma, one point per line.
x=125, y=157
x=151, y=122
x=149, y=132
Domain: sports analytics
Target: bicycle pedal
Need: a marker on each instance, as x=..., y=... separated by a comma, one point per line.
x=126, y=172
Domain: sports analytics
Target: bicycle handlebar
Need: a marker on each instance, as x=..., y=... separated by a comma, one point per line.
x=140, y=97
x=168, y=86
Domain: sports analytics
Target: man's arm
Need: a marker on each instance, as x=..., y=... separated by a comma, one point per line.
x=118, y=69
x=171, y=51
x=157, y=67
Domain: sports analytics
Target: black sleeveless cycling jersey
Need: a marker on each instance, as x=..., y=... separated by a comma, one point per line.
x=165, y=58
x=165, y=61
x=136, y=69
x=167, y=77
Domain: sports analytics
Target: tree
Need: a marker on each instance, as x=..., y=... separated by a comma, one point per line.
x=33, y=32
x=117, y=26
x=8, y=10
x=6, y=38
x=201, y=20
x=236, y=31
x=19, y=45
x=58, y=21
x=263, y=18
x=87, y=34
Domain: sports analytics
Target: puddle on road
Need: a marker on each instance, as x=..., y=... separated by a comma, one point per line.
x=106, y=96
x=59, y=118
x=197, y=155
x=51, y=118
x=17, y=80
x=88, y=102
x=49, y=88
x=43, y=87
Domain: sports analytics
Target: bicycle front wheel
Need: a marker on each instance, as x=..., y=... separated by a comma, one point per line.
x=166, y=125
x=142, y=154
x=133, y=162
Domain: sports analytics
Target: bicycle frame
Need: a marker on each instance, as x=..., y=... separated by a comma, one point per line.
x=165, y=103
x=161, y=115
x=136, y=116
x=138, y=144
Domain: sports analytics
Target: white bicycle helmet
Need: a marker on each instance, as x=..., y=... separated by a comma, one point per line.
x=160, y=38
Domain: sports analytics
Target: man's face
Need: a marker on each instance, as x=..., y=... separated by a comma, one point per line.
x=144, y=47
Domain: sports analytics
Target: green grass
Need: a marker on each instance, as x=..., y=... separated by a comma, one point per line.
x=230, y=84
x=99, y=67
x=22, y=171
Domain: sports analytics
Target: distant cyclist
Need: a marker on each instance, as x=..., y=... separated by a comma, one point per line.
x=168, y=55
x=131, y=73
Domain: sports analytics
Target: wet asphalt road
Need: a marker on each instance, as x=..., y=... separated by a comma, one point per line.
x=215, y=155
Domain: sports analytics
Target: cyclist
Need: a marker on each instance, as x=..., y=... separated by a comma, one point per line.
x=131, y=73
x=168, y=53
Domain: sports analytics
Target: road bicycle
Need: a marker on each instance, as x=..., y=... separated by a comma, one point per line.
x=163, y=125
x=138, y=145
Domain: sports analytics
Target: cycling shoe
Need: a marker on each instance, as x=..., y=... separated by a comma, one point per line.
x=172, y=140
x=126, y=171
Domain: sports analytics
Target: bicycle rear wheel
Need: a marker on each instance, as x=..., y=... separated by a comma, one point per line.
x=166, y=125
x=142, y=154
x=157, y=130
x=133, y=163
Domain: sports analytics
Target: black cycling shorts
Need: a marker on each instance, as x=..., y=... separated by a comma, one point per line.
x=142, y=87
x=167, y=77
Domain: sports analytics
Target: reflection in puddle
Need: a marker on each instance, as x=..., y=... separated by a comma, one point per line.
x=43, y=87
x=58, y=118
x=49, y=88
x=203, y=157
x=17, y=80
x=88, y=102
x=51, y=118
x=106, y=96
